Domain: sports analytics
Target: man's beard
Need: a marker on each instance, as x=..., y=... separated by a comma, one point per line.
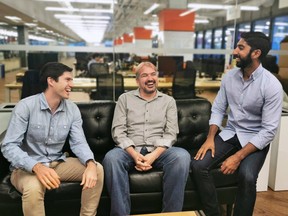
x=244, y=62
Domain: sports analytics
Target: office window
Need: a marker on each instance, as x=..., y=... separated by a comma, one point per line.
x=208, y=39
x=199, y=40
x=218, y=38
x=229, y=36
x=280, y=30
x=243, y=27
x=262, y=26
x=199, y=44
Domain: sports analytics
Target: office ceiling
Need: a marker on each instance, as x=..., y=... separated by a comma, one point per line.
x=121, y=16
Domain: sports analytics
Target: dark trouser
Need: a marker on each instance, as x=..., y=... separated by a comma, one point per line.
x=248, y=173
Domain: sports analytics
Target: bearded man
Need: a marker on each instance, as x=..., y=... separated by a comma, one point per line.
x=254, y=98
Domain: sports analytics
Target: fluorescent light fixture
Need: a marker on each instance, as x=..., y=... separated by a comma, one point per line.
x=30, y=24
x=41, y=28
x=188, y=12
x=155, y=23
x=83, y=1
x=3, y=23
x=220, y=7
x=70, y=16
x=33, y=37
x=153, y=7
x=13, y=18
x=79, y=10
x=201, y=21
x=249, y=8
x=281, y=24
x=150, y=27
x=8, y=33
x=85, y=21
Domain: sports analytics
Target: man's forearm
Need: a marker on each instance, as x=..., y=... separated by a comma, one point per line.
x=245, y=151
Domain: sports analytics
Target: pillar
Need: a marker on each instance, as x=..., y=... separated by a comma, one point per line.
x=175, y=31
x=127, y=40
x=142, y=39
x=22, y=39
x=118, y=41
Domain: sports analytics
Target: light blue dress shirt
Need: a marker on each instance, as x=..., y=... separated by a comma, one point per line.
x=36, y=135
x=255, y=106
x=139, y=123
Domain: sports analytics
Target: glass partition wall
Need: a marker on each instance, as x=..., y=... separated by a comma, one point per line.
x=218, y=41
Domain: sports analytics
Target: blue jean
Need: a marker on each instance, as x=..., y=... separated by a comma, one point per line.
x=175, y=163
x=248, y=171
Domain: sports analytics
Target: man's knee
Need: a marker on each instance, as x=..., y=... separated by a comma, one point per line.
x=112, y=157
x=247, y=176
x=33, y=191
x=100, y=173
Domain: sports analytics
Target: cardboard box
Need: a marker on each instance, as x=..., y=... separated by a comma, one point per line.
x=283, y=72
x=283, y=59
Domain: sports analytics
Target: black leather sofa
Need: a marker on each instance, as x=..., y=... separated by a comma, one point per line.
x=146, y=188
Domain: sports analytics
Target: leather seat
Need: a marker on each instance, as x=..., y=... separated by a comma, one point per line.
x=145, y=188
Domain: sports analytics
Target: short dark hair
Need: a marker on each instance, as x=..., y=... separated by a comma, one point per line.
x=96, y=55
x=53, y=70
x=257, y=40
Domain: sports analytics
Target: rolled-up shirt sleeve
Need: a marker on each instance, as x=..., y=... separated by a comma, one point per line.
x=271, y=114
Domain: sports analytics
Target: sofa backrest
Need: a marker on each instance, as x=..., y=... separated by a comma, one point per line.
x=193, y=121
x=97, y=121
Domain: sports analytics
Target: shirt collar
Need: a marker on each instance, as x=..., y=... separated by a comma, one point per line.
x=158, y=93
x=255, y=73
x=44, y=104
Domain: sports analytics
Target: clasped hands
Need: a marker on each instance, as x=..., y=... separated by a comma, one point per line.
x=144, y=163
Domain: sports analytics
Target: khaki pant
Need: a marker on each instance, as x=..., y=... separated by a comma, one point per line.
x=71, y=170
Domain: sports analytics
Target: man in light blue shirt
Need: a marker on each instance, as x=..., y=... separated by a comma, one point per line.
x=253, y=97
x=145, y=127
x=33, y=144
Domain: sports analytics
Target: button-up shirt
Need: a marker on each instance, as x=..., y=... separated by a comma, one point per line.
x=255, y=106
x=35, y=134
x=139, y=123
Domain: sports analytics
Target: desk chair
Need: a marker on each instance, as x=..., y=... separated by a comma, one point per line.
x=98, y=68
x=106, y=85
x=183, y=86
x=270, y=63
x=31, y=84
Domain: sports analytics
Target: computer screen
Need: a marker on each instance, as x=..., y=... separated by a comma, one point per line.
x=168, y=65
x=37, y=60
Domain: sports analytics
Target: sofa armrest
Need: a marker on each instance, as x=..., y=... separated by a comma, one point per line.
x=2, y=135
x=4, y=164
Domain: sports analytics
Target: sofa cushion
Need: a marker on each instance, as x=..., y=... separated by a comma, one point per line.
x=193, y=121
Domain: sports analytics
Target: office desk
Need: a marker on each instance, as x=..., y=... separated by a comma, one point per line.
x=88, y=84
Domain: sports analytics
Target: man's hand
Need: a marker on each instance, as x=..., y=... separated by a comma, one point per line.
x=47, y=176
x=89, y=178
x=208, y=145
x=149, y=159
x=141, y=163
x=230, y=164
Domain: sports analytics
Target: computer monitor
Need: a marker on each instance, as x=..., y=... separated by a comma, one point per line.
x=168, y=65
x=37, y=60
